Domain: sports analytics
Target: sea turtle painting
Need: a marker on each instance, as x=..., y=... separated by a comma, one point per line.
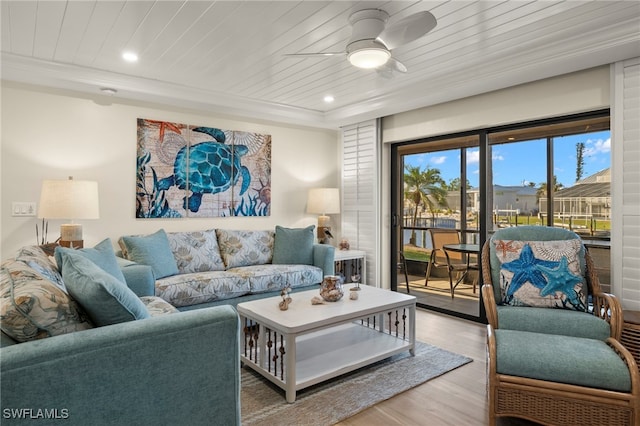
x=207, y=167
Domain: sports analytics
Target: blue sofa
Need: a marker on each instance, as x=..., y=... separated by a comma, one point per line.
x=157, y=371
x=165, y=369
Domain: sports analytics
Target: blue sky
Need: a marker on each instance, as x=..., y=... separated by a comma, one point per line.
x=524, y=162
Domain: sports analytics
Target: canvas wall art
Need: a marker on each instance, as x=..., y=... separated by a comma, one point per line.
x=195, y=171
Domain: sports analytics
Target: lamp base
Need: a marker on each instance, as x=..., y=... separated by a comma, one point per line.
x=75, y=244
x=324, y=234
x=71, y=235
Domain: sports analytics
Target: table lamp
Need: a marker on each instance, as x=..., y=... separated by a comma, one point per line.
x=69, y=199
x=323, y=201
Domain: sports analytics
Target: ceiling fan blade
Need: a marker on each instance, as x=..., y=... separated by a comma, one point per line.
x=407, y=29
x=392, y=65
x=316, y=54
x=396, y=65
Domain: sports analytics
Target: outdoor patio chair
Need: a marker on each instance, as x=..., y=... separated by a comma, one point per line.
x=553, y=354
x=454, y=262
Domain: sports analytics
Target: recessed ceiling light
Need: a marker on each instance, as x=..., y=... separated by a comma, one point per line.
x=130, y=56
x=328, y=99
x=108, y=91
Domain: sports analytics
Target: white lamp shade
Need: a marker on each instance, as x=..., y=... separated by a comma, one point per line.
x=69, y=199
x=323, y=201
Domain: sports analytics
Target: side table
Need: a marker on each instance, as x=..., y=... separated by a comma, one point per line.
x=350, y=262
x=630, y=337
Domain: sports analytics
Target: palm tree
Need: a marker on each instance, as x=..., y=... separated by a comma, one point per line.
x=424, y=187
x=542, y=190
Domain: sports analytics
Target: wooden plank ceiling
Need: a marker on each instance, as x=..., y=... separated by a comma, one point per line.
x=231, y=55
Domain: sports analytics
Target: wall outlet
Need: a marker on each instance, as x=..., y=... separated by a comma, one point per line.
x=23, y=208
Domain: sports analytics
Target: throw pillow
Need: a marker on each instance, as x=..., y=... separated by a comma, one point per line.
x=152, y=250
x=293, y=246
x=542, y=273
x=102, y=255
x=36, y=258
x=32, y=307
x=105, y=299
x=245, y=248
x=196, y=251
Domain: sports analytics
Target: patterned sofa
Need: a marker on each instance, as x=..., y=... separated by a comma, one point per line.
x=218, y=266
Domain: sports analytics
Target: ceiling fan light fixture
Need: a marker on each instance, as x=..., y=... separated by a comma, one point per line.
x=367, y=54
x=369, y=58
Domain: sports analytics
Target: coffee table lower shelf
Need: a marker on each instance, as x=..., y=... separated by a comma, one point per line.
x=297, y=362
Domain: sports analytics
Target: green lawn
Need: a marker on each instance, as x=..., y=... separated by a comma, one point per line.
x=420, y=255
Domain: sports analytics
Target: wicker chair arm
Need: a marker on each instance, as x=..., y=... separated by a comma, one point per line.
x=607, y=307
x=490, y=305
x=628, y=359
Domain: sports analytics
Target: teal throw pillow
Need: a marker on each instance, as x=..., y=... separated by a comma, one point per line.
x=102, y=255
x=293, y=246
x=153, y=250
x=102, y=296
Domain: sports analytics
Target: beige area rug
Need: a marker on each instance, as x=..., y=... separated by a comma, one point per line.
x=325, y=404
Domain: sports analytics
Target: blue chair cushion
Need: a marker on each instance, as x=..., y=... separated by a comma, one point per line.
x=553, y=321
x=293, y=246
x=561, y=359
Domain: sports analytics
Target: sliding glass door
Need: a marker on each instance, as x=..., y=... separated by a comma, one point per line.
x=437, y=188
x=552, y=172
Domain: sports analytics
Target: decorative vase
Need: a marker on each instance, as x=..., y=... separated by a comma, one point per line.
x=331, y=288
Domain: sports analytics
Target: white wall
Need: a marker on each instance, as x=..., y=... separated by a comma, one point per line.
x=581, y=91
x=52, y=134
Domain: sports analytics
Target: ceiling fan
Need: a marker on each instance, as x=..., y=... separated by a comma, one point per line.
x=372, y=40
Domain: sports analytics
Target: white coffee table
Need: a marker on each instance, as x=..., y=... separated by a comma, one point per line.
x=308, y=344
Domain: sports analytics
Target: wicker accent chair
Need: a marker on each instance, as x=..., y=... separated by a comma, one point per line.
x=554, y=366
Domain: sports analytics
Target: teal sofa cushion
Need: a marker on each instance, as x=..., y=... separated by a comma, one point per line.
x=104, y=298
x=553, y=321
x=293, y=246
x=102, y=255
x=138, y=277
x=153, y=250
x=561, y=359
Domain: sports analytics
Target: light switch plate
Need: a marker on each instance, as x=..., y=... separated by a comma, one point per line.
x=23, y=208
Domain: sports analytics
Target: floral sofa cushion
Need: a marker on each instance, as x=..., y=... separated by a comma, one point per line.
x=32, y=307
x=157, y=306
x=263, y=278
x=196, y=251
x=201, y=287
x=37, y=259
x=542, y=273
x=245, y=248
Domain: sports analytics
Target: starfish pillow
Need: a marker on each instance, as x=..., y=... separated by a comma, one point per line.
x=545, y=274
